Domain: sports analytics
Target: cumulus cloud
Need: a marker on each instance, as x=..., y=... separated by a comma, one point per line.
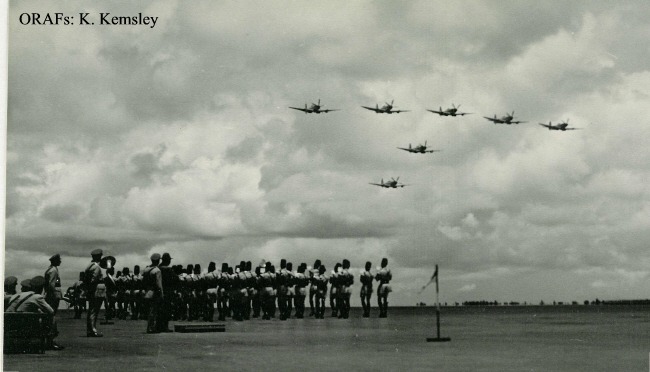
x=179, y=138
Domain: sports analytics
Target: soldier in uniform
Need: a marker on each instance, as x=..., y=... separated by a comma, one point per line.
x=235, y=293
x=256, y=301
x=346, y=280
x=313, y=288
x=267, y=298
x=10, y=288
x=31, y=301
x=80, y=297
x=53, y=291
x=291, y=289
x=251, y=291
x=321, y=292
x=111, y=292
x=152, y=281
x=300, y=289
x=366, y=289
x=383, y=277
x=137, y=293
x=283, y=289
x=168, y=284
x=124, y=288
x=210, y=285
x=222, y=293
x=335, y=289
x=96, y=292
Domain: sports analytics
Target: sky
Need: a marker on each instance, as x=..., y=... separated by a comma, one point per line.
x=179, y=138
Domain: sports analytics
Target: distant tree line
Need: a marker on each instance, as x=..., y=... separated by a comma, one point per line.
x=555, y=303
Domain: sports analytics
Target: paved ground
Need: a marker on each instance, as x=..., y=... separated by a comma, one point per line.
x=480, y=341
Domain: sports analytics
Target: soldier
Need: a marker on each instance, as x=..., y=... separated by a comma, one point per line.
x=267, y=298
x=383, y=277
x=251, y=290
x=291, y=289
x=313, y=288
x=235, y=293
x=335, y=290
x=168, y=284
x=283, y=289
x=366, y=289
x=10, y=288
x=300, y=289
x=274, y=294
x=31, y=301
x=80, y=296
x=124, y=290
x=111, y=292
x=346, y=280
x=137, y=294
x=53, y=291
x=321, y=292
x=152, y=281
x=222, y=293
x=96, y=292
x=256, y=301
x=210, y=284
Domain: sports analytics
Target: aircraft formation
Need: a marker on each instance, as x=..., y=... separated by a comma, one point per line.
x=388, y=108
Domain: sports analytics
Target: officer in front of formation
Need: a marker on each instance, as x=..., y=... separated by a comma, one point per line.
x=53, y=292
x=152, y=282
x=96, y=292
x=30, y=300
x=168, y=283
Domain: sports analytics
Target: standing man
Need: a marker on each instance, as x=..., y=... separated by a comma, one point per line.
x=383, y=277
x=53, y=295
x=152, y=280
x=96, y=292
x=346, y=279
x=168, y=282
x=313, y=288
x=80, y=295
x=366, y=289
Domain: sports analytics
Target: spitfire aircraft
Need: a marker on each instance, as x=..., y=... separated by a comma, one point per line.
x=420, y=149
x=389, y=184
x=453, y=111
x=386, y=109
x=505, y=119
x=563, y=126
x=313, y=109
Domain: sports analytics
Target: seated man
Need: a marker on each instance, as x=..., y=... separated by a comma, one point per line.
x=31, y=301
x=10, y=288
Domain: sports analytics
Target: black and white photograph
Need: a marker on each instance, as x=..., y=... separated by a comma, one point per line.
x=292, y=185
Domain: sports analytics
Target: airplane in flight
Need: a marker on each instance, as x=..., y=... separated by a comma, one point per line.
x=313, y=109
x=505, y=119
x=389, y=184
x=386, y=109
x=453, y=111
x=420, y=149
x=563, y=126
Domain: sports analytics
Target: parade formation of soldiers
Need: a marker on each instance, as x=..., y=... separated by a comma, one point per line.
x=162, y=292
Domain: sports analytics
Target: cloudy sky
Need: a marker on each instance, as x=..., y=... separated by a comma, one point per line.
x=179, y=139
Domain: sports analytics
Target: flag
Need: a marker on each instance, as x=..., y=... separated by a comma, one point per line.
x=433, y=279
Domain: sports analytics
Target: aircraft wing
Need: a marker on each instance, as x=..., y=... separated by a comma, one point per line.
x=398, y=111
x=432, y=151
x=572, y=128
x=496, y=121
x=372, y=109
x=464, y=113
x=546, y=125
x=301, y=109
x=517, y=122
x=409, y=150
x=326, y=111
x=378, y=184
x=441, y=113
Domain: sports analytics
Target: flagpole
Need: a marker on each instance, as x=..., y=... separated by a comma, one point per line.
x=437, y=338
x=437, y=305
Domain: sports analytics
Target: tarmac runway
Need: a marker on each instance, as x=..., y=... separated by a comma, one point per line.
x=482, y=339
